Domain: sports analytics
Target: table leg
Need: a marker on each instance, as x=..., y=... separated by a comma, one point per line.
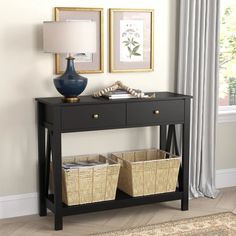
x=41, y=162
x=185, y=157
x=56, y=158
x=48, y=159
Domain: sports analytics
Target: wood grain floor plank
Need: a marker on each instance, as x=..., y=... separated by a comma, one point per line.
x=227, y=201
x=86, y=224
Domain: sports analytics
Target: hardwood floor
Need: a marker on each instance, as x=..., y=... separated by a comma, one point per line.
x=86, y=224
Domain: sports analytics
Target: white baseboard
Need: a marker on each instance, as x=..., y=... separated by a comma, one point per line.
x=225, y=178
x=27, y=204
x=18, y=205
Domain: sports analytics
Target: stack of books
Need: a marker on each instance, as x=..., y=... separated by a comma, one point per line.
x=119, y=94
x=83, y=164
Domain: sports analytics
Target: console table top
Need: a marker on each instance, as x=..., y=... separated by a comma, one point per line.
x=91, y=100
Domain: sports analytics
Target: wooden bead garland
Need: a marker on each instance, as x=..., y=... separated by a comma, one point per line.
x=120, y=85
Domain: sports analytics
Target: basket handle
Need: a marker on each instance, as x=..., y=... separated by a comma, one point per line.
x=117, y=159
x=110, y=159
x=168, y=155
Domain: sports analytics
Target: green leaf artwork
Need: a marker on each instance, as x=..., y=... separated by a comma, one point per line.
x=131, y=40
x=132, y=47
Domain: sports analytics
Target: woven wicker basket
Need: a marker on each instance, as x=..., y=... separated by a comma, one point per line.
x=146, y=172
x=92, y=184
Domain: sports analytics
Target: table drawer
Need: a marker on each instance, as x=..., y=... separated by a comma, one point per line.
x=144, y=113
x=87, y=117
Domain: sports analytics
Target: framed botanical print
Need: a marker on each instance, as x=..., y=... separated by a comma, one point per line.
x=84, y=62
x=131, y=40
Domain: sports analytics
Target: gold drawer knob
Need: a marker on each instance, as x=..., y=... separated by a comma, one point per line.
x=156, y=112
x=95, y=116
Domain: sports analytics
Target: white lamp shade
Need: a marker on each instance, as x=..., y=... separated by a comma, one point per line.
x=69, y=36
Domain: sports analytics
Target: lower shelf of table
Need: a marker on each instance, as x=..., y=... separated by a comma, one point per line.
x=122, y=200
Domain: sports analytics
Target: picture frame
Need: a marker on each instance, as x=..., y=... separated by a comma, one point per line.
x=84, y=63
x=131, y=40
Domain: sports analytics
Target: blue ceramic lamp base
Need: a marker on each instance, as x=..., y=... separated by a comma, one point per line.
x=70, y=84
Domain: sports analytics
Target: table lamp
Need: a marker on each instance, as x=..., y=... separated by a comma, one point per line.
x=70, y=37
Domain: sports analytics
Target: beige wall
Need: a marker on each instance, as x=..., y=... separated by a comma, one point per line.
x=226, y=146
x=26, y=73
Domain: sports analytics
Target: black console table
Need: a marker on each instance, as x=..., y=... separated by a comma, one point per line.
x=165, y=110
